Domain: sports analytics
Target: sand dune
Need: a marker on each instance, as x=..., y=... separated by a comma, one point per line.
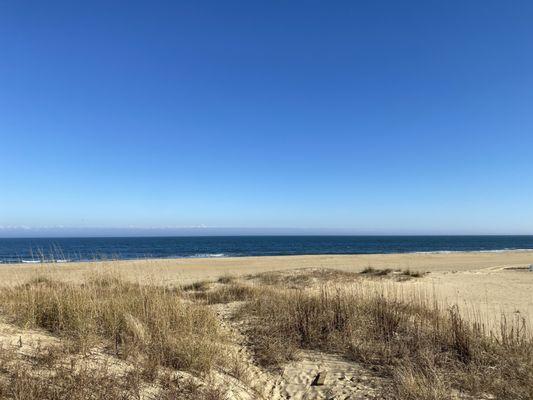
x=490, y=281
x=482, y=284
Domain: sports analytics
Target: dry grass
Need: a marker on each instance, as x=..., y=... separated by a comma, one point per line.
x=199, y=286
x=413, y=274
x=133, y=321
x=29, y=381
x=429, y=352
x=151, y=328
x=303, y=277
x=225, y=279
x=375, y=271
x=398, y=274
x=228, y=293
x=175, y=388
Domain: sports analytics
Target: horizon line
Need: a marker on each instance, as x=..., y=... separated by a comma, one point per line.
x=110, y=235
x=60, y=231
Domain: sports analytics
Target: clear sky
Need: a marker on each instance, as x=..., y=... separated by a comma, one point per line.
x=366, y=116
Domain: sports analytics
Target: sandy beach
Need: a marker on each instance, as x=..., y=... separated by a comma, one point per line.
x=491, y=282
x=485, y=286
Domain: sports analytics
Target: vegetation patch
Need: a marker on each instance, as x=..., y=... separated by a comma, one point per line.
x=426, y=351
x=398, y=274
x=132, y=320
x=302, y=278
x=229, y=293
x=429, y=352
x=199, y=286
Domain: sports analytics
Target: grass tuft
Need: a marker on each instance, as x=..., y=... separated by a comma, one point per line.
x=200, y=286
x=134, y=321
x=428, y=352
x=231, y=292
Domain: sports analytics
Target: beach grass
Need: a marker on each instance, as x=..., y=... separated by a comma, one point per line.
x=130, y=319
x=170, y=340
x=427, y=351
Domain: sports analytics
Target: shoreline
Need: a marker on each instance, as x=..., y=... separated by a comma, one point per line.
x=223, y=256
x=490, y=256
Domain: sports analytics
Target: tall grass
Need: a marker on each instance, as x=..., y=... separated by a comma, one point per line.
x=134, y=321
x=61, y=382
x=428, y=351
x=33, y=380
x=230, y=292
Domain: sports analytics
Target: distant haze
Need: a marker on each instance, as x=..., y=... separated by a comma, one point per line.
x=58, y=232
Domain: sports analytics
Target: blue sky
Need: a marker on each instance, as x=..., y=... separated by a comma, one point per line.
x=360, y=116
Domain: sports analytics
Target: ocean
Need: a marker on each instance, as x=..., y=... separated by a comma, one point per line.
x=111, y=248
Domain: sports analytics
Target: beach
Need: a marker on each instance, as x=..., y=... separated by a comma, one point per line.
x=269, y=327
x=491, y=282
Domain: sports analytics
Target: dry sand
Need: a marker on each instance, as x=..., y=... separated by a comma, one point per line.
x=492, y=282
x=489, y=283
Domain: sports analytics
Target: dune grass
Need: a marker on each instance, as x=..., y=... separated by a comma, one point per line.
x=302, y=278
x=230, y=292
x=132, y=320
x=198, y=286
x=62, y=382
x=401, y=275
x=427, y=351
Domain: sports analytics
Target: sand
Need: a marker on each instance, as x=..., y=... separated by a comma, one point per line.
x=208, y=268
x=489, y=284
x=492, y=282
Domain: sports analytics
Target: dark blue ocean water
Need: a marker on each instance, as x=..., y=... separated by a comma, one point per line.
x=74, y=249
